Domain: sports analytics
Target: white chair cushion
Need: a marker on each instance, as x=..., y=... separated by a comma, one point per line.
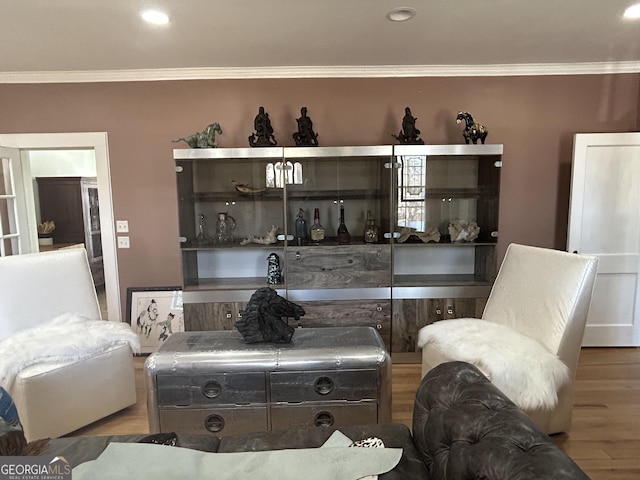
x=66, y=338
x=518, y=365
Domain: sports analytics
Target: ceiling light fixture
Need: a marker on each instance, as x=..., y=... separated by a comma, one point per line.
x=633, y=11
x=401, y=14
x=155, y=17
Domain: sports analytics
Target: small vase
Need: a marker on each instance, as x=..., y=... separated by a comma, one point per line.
x=370, y=233
x=45, y=239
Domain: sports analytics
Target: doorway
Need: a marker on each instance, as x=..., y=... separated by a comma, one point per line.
x=96, y=141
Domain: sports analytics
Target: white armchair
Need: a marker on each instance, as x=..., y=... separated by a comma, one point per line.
x=56, y=395
x=535, y=316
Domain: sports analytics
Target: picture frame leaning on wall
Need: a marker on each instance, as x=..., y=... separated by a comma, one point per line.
x=154, y=313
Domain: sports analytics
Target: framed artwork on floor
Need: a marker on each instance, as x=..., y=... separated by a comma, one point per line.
x=154, y=313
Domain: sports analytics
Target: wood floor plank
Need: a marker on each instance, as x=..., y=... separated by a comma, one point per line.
x=604, y=439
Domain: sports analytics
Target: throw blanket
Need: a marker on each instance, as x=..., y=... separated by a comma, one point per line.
x=142, y=461
x=520, y=366
x=66, y=338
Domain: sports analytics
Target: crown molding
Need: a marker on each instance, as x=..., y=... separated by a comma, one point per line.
x=368, y=71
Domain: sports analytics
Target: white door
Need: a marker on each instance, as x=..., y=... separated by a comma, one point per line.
x=14, y=237
x=604, y=220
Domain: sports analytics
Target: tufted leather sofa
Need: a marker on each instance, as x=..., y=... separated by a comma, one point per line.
x=463, y=428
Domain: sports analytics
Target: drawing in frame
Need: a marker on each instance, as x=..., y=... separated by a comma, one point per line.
x=154, y=313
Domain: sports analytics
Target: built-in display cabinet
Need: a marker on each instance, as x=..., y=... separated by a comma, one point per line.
x=396, y=268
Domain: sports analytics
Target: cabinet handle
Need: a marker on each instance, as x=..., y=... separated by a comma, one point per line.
x=438, y=311
x=211, y=389
x=379, y=327
x=214, y=423
x=323, y=419
x=323, y=386
x=449, y=311
x=378, y=308
x=228, y=314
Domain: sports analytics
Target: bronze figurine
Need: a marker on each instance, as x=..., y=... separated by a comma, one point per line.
x=473, y=131
x=305, y=136
x=263, y=135
x=409, y=134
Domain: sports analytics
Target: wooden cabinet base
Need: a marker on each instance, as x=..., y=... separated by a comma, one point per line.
x=410, y=315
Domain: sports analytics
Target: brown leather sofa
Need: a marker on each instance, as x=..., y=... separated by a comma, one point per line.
x=463, y=428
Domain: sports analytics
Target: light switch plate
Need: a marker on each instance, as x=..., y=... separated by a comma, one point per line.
x=123, y=242
x=122, y=226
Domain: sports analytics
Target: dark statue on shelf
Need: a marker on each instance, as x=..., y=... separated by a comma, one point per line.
x=203, y=139
x=305, y=136
x=409, y=134
x=262, y=319
x=473, y=131
x=263, y=135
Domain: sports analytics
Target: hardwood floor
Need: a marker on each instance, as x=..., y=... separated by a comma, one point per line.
x=605, y=436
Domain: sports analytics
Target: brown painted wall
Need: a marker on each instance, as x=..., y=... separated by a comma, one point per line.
x=534, y=117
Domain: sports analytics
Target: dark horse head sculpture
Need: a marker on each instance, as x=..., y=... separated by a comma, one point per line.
x=473, y=131
x=262, y=319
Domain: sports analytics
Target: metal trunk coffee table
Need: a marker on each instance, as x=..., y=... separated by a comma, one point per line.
x=213, y=381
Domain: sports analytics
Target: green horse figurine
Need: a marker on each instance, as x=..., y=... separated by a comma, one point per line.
x=203, y=139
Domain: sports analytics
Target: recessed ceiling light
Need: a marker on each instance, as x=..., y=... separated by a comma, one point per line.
x=401, y=14
x=155, y=17
x=633, y=11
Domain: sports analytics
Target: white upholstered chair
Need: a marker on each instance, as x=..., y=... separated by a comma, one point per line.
x=540, y=300
x=56, y=397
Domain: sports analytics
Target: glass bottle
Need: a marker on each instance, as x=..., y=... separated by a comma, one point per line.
x=344, y=237
x=203, y=240
x=301, y=228
x=370, y=233
x=317, y=230
x=224, y=228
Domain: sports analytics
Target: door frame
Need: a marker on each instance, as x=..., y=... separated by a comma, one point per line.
x=98, y=142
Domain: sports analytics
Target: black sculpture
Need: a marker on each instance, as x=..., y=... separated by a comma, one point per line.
x=263, y=136
x=473, y=131
x=409, y=134
x=203, y=139
x=262, y=319
x=305, y=136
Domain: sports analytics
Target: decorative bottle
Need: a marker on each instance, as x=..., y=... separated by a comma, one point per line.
x=317, y=230
x=301, y=228
x=224, y=228
x=370, y=233
x=343, y=234
x=274, y=273
x=203, y=240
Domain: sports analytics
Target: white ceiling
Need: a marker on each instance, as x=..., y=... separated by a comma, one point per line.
x=92, y=40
